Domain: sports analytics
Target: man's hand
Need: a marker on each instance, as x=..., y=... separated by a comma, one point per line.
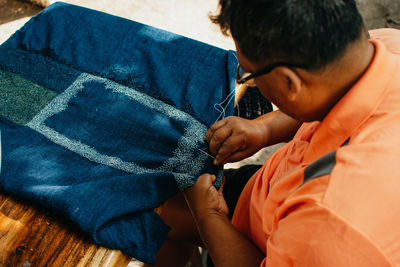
x=233, y=139
x=203, y=198
x=226, y=245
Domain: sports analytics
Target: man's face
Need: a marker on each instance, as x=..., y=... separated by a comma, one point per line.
x=271, y=85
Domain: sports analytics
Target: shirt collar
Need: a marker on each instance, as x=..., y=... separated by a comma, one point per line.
x=355, y=107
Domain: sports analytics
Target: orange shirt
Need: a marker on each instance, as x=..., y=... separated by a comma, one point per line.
x=322, y=201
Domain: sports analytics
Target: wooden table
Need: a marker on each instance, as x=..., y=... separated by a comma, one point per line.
x=31, y=236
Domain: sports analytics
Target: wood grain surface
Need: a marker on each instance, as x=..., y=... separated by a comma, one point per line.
x=31, y=236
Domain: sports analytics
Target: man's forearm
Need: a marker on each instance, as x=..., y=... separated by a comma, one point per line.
x=281, y=127
x=226, y=245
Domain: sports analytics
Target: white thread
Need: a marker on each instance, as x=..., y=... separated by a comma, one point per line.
x=235, y=55
x=211, y=156
x=218, y=106
x=183, y=164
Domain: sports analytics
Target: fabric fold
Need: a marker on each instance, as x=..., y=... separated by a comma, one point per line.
x=102, y=120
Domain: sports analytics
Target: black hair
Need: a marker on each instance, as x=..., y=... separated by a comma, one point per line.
x=313, y=32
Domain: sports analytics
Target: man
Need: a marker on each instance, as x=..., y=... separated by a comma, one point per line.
x=330, y=196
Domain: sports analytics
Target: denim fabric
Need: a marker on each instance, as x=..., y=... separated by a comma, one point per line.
x=102, y=120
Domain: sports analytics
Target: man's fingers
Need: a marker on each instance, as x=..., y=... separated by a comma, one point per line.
x=213, y=129
x=218, y=139
x=205, y=180
x=230, y=146
x=221, y=188
x=238, y=155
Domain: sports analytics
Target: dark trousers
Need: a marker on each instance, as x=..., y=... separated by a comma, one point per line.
x=235, y=180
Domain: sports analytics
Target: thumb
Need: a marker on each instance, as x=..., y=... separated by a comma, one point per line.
x=205, y=180
x=221, y=188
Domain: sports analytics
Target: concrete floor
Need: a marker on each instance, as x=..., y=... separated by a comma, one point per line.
x=13, y=15
x=380, y=13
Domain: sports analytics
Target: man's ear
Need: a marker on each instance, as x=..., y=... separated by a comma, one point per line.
x=294, y=82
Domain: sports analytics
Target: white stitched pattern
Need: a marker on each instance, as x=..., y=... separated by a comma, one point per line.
x=186, y=160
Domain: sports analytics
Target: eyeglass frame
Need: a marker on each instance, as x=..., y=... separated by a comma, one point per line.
x=266, y=70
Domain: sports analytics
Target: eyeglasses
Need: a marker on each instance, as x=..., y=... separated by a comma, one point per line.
x=247, y=78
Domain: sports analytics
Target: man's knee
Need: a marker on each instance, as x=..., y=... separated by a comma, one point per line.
x=176, y=214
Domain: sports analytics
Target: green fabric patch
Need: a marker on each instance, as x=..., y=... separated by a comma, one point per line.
x=20, y=99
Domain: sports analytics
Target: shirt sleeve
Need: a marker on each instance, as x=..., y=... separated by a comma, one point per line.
x=312, y=235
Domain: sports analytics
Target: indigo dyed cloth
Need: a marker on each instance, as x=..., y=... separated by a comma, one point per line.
x=102, y=119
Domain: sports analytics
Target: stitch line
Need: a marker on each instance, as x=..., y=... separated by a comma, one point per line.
x=184, y=157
